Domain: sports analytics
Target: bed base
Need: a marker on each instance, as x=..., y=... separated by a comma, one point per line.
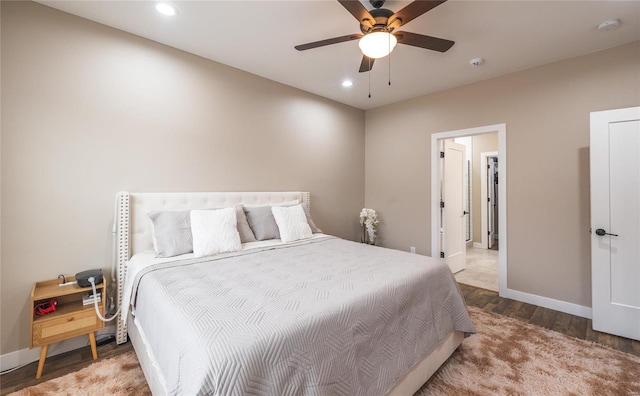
x=152, y=373
x=424, y=369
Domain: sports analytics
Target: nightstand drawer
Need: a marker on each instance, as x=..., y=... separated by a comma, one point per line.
x=64, y=327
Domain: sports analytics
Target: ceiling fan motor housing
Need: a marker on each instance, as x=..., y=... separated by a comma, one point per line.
x=381, y=16
x=377, y=3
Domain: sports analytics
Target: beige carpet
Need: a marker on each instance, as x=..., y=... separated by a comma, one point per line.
x=118, y=376
x=505, y=357
x=509, y=357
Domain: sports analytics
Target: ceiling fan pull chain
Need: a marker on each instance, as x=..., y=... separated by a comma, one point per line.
x=369, y=77
x=389, y=60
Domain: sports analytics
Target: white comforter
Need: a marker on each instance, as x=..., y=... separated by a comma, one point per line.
x=319, y=317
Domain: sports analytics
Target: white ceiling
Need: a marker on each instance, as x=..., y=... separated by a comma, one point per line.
x=259, y=36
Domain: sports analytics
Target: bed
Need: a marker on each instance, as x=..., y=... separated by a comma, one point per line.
x=317, y=316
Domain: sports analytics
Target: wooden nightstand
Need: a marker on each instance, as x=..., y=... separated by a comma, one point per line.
x=70, y=319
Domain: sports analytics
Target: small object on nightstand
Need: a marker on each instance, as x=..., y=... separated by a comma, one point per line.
x=87, y=298
x=45, y=307
x=59, y=313
x=83, y=277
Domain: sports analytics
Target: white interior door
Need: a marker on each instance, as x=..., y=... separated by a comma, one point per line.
x=615, y=221
x=453, y=212
x=491, y=202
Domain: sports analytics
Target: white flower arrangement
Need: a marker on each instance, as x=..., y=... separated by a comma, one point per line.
x=369, y=222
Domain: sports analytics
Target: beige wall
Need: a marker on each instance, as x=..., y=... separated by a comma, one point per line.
x=88, y=111
x=546, y=110
x=479, y=144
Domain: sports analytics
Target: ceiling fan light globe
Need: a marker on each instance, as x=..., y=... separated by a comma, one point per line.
x=166, y=9
x=377, y=44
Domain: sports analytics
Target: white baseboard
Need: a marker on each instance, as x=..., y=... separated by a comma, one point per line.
x=26, y=355
x=546, y=302
x=478, y=245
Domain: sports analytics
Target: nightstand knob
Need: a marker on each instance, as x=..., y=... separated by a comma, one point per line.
x=69, y=319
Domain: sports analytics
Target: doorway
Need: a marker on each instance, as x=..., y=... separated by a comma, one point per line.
x=498, y=224
x=481, y=198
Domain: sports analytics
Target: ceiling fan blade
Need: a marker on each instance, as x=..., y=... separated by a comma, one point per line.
x=366, y=64
x=356, y=9
x=422, y=41
x=330, y=41
x=413, y=10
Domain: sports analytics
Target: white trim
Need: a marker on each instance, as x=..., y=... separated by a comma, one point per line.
x=546, y=302
x=26, y=355
x=501, y=129
x=484, y=193
x=18, y=358
x=478, y=245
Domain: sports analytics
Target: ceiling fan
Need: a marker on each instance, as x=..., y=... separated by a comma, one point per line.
x=378, y=37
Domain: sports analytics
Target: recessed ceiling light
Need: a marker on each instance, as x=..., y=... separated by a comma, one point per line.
x=166, y=9
x=610, y=24
x=347, y=83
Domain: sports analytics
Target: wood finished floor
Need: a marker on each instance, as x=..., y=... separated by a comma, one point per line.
x=487, y=300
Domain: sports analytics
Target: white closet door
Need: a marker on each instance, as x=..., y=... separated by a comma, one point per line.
x=615, y=221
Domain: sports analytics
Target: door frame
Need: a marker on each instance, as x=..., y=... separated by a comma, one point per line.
x=501, y=129
x=484, y=194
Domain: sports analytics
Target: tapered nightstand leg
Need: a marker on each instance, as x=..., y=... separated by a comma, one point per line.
x=43, y=357
x=92, y=340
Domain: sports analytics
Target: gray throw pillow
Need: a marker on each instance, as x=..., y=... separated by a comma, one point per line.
x=172, y=232
x=246, y=235
x=262, y=222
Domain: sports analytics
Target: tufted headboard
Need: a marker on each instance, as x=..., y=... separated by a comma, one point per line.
x=134, y=229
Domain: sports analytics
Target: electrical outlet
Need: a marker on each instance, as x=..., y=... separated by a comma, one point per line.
x=413, y=249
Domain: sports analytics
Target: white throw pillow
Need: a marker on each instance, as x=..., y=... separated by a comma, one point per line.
x=214, y=231
x=292, y=223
